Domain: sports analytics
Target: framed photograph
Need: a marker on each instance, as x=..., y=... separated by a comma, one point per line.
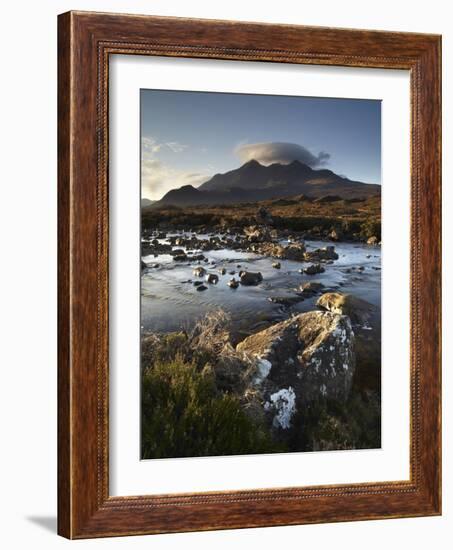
x=249, y=275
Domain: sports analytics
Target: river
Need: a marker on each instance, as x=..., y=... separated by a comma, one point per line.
x=170, y=301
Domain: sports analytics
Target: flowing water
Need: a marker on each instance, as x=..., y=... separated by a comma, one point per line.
x=171, y=302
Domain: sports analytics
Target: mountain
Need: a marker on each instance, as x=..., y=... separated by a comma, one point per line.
x=146, y=202
x=254, y=182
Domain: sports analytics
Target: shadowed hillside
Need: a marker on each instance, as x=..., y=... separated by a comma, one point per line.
x=255, y=182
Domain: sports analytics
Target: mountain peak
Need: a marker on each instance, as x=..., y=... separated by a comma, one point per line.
x=251, y=162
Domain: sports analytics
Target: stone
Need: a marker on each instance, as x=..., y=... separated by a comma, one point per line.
x=212, y=278
x=366, y=323
x=294, y=251
x=321, y=254
x=311, y=288
x=199, y=271
x=250, y=278
x=255, y=234
x=286, y=300
x=180, y=257
x=372, y=241
x=335, y=235
x=359, y=311
x=276, y=265
x=233, y=283
x=313, y=353
x=314, y=269
x=202, y=287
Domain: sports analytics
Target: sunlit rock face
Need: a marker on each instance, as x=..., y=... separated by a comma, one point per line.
x=301, y=360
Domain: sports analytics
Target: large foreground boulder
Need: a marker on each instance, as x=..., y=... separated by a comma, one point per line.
x=366, y=323
x=301, y=360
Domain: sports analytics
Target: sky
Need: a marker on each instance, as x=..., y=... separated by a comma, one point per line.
x=187, y=137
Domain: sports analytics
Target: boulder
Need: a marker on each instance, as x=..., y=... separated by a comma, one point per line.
x=286, y=300
x=199, y=271
x=250, y=278
x=255, y=233
x=314, y=269
x=212, y=278
x=372, y=241
x=276, y=265
x=156, y=249
x=180, y=257
x=293, y=251
x=335, y=235
x=233, y=283
x=366, y=323
x=311, y=288
x=202, y=287
x=359, y=311
x=321, y=254
x=312, y=353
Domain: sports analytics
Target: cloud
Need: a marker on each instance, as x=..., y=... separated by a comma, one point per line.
x=152, y=146
x=281, y=152
x=175, y=146
x=157, y=177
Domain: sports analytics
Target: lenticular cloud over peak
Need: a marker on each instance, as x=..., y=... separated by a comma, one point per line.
x=280, y=152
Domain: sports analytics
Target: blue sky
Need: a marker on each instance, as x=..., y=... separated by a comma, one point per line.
x=189, y=136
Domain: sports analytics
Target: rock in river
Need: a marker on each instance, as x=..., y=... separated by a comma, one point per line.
x=180, y=257
x=359, y=311
x=294, y=251
x=250, y=278
x=286, y=300
x=314, y=269
x=321, y=254
x=233, y=283
x=311, y=288
x=373, y=241
x=199, y=271
x=212, y=278
x=255, y=234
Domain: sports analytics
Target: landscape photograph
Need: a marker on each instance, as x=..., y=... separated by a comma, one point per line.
x=260, y=274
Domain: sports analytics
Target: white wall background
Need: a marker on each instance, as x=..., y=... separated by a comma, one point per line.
x=28, y=216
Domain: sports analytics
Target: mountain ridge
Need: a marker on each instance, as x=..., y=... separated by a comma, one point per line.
x=254, y=182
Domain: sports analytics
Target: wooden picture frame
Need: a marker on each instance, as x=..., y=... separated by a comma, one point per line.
x=85, y=42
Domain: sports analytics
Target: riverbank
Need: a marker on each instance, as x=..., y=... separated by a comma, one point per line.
x=329, y=217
